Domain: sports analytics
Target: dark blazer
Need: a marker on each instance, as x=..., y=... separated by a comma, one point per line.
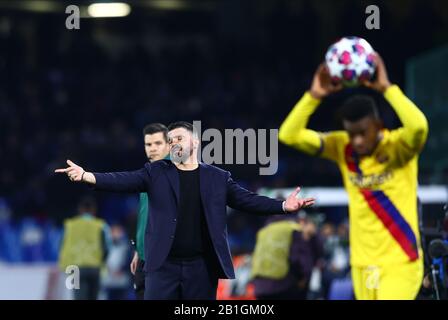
x=161, y=181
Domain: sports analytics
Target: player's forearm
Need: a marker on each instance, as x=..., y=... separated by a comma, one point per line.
x=88, y=177
x=413, y=120
x=293, y=131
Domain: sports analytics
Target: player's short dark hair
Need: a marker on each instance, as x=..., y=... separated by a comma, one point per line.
x=358, y=107
x=181, y=124
x=87, y=204
x=156, y=128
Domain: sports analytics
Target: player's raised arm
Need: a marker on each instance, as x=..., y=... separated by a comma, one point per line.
x=76, y=173
x=415, y=125
x=293, y=131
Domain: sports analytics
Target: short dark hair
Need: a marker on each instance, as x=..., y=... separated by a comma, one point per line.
x=156, y=128
x=181, y=124
x=358, y=107
x=87, y=204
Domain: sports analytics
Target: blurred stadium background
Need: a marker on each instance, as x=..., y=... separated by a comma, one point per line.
x=86, y=94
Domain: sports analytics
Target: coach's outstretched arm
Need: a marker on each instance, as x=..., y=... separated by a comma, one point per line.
x=128, y=181
x=242, y=199
x=77, y=174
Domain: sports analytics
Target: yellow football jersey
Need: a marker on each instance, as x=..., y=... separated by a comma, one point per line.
x=382, y=190
x=382, y=187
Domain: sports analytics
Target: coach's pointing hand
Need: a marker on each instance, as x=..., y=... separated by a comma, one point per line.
x=77, y=173
x=293, y=203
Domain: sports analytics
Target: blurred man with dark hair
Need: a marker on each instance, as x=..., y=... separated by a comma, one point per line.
x=186, y=245
x=285, y=254
x=379, y=170
x=85, y=245
x=155, y=136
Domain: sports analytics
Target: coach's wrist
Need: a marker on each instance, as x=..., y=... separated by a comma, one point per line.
x=283, y=207
x=88, y=177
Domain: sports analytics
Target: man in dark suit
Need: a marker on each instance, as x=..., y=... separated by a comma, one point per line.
x=186, y=245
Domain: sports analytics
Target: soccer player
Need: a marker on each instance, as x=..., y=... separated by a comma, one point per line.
x=86, y=244
x=379, y=171
x=156, y=148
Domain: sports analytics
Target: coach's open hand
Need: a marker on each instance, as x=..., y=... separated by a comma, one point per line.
x=76, y=173
x=293, y=204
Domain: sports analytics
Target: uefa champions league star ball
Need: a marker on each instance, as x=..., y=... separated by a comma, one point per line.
x=350, y=61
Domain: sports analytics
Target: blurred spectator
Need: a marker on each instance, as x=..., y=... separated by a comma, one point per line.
x=31, y=241
x=117, y=281
x=284, y=257
x=336, y=253
x=85, y=245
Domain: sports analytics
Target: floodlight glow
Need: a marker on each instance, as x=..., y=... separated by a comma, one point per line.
x=113, y=9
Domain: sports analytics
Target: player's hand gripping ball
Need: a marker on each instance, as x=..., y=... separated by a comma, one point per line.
x=350, y=61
